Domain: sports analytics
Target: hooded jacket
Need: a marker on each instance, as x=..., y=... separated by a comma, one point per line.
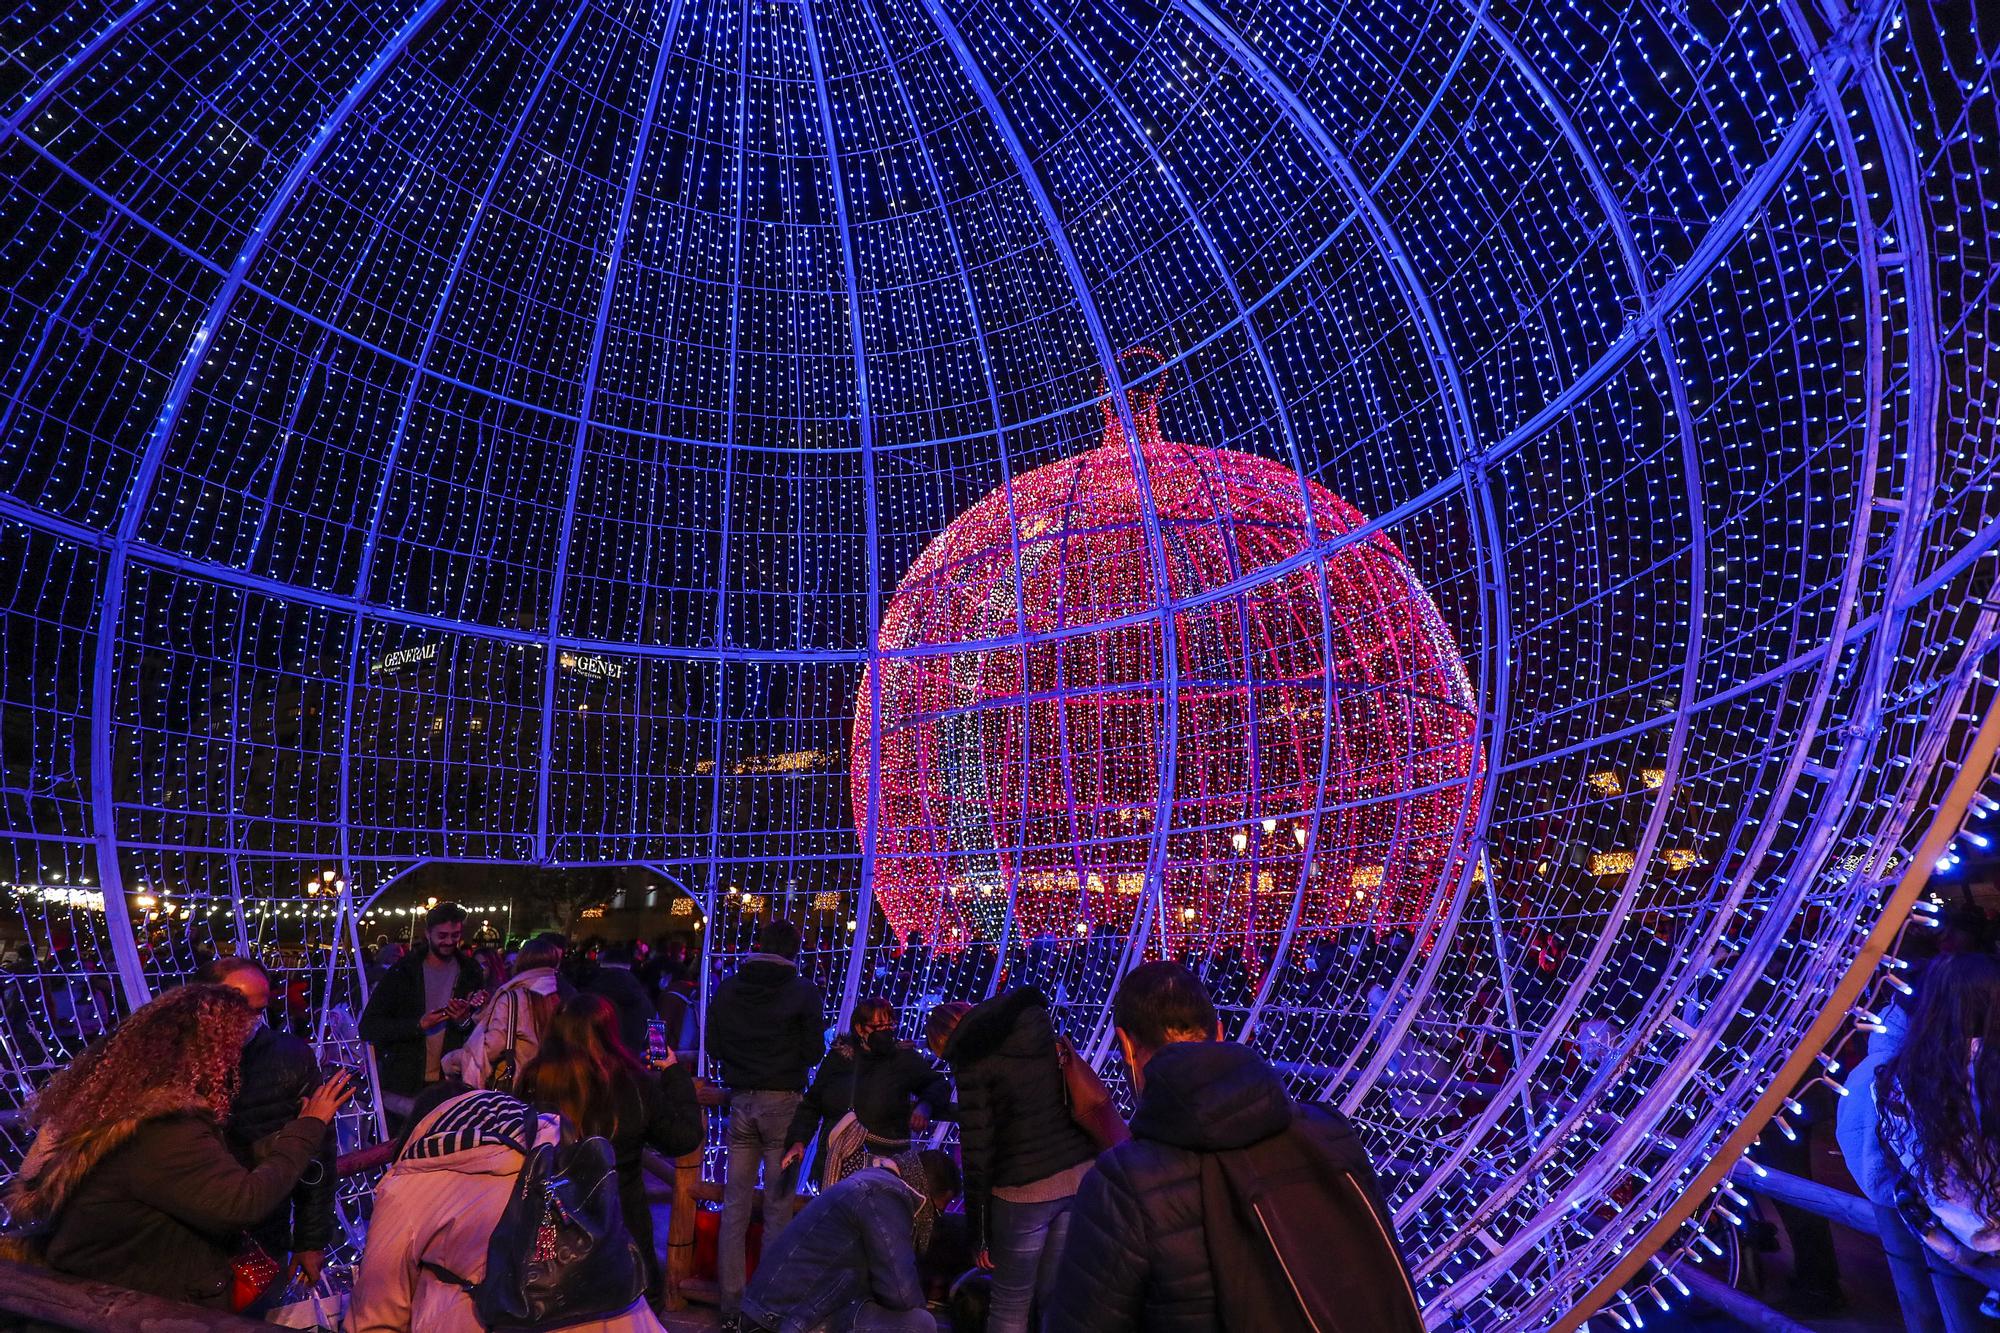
x=440, y=1208
x=393, y=1021
x=852, y=1243
x=278, y=1071
x=766, y=1026
x=156, y=1201
x=1014, y=1123
x=1139, y=1252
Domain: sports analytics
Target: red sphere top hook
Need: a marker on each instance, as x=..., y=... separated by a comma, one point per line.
x=1143, y=371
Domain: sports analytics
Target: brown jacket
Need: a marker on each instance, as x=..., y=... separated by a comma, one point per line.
x=164, y=1206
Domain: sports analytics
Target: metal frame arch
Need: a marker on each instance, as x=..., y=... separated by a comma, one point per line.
x=111, y=605
x=1107, y=357
x=378, y=507
x=1555, y=1026
x=978, y=331
x=560, y=573
x=711, y=882
x=1853, y=52
x=1472, y=477
x=1836, y=65
x=1289, y=434
x=865, y=423
x=88, y=52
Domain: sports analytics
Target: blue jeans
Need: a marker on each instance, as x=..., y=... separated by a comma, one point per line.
x=758, y=1122
x=868, y=1317
x=1026, y=1242
x=1910, y=1271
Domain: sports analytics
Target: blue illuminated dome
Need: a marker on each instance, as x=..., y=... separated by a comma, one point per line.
x=495, y=430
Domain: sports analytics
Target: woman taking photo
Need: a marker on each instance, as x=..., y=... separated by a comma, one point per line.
x=889, y=1087
x=1939, y=1102
x=129, y=1179
x=583, y=1070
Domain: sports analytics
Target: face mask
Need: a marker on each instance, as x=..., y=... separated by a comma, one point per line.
x=882, y=1043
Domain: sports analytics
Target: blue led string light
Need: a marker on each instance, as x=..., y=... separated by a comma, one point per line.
x=492, y=431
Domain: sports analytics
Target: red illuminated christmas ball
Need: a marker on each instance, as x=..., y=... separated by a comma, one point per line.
x=1023, y=768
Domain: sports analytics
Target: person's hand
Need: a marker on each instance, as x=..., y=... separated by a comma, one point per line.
x=983, y=1260
x=308, y=1265
x=477, y=1000
x=328, y=1097
x=920, y=1121
x=435, y=1018
x=793, y=1156
x=664, y=1060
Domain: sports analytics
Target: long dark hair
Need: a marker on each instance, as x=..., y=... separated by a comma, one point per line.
x=581, y=1067
x=1940, y=1106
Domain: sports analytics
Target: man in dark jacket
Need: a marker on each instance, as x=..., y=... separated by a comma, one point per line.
x=849, y=1261
x=610, y=975
x=1158, y=1239
x=424, y=1006
x=277, y=1073
x=765, y=1030
x=1025, y=1155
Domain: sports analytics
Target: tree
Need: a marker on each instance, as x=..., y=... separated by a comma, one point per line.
x=554, y=896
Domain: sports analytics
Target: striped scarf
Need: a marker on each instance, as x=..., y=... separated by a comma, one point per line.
x=473, y=1120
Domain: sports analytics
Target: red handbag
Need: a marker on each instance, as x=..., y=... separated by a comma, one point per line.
x=253, y=1272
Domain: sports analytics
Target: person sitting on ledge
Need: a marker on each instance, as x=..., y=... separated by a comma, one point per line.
x=1232, y=1207
x=130, y=1180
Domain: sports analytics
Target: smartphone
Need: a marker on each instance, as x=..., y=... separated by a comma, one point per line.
x=656, y=1039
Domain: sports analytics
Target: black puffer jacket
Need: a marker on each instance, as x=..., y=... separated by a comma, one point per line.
x=1138, y=1249
x=881, y=1093
x=1014, y=1124
x=278, y=1072
x=766, y=1026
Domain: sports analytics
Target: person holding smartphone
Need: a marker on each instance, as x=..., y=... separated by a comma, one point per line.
x=424, y=1006
x=130, y=1179
x=276, y=1074
x=584, y=1070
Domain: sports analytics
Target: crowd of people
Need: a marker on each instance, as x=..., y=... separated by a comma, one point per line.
x=189, y=1152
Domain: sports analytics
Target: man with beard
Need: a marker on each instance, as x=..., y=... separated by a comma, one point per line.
x=424, y=1006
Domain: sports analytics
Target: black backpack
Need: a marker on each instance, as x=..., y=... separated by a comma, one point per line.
x=559, y=1254
x=1300, y=1242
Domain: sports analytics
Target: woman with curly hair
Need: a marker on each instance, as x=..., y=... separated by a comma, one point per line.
x=129, y=1179
x=1939, y=1100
